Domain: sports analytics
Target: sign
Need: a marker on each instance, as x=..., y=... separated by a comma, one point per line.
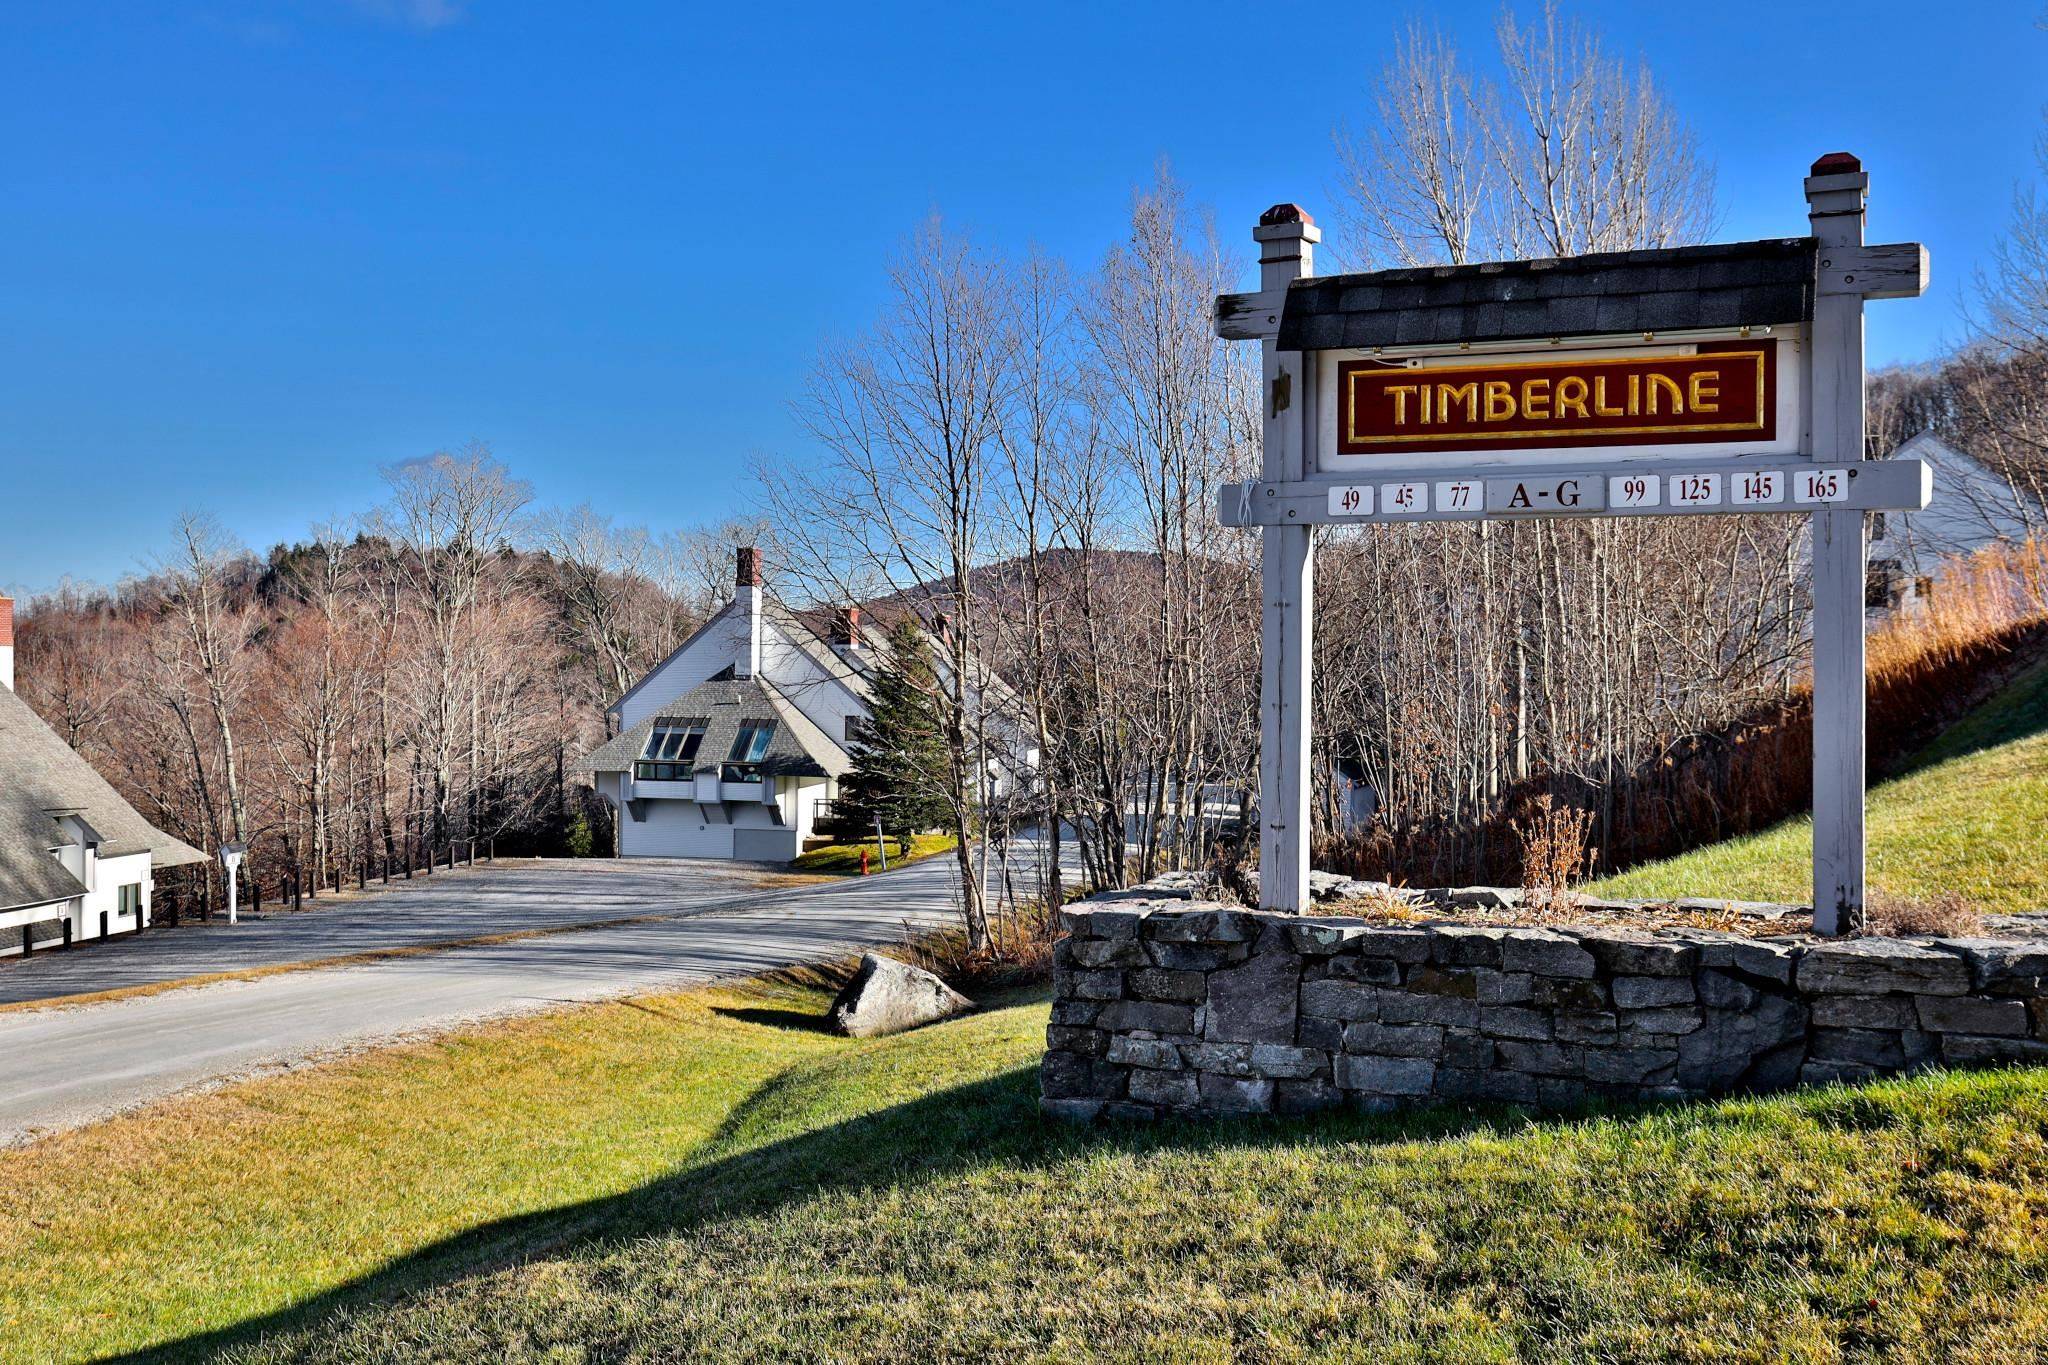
x=1635, y=489
x=1720, y=379
x=1568, y=496
x=1718, y=393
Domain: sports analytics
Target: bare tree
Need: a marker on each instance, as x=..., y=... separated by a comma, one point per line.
x=597, y=567
x=214, y=636
x=1572, y=151
x=1415, y=183
x=450, y=516
x=909, y=416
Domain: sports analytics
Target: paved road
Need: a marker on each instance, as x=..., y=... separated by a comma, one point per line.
x=62, y=1067
x=465, y=903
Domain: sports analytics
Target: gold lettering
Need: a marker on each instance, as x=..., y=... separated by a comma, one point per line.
x=1500, y=401
x=1400, y=393
x=1535, y=395
x=1448, y=395
x=1665, y=383
x=1426, y=418
x=1600, y=408
x=1706, y=391
x=1571, y=397
x=1635, y=395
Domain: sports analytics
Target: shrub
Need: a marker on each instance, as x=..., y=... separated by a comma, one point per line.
x=579, y=840
x=1554, y=855
x=1892, y=916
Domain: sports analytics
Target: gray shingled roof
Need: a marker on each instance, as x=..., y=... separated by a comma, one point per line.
x=39, y=773
x=797, y=749
x=1731, y=284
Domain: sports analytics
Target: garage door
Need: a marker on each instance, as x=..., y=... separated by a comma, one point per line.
x=674, y=829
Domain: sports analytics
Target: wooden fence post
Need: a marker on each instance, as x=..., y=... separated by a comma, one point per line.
x=1835, y=197
x=1286, y=236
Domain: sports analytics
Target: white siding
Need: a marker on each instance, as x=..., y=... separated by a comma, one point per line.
x=798, y=798
x=802, y=679
x=710, y=652
x=1972, y=507
x=104, y=900
x=817, y=693
x=12, y=920
x=673, y=829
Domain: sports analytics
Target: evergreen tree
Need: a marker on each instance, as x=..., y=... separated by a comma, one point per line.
x=899, y=758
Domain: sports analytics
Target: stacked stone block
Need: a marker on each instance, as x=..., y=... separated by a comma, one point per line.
x=1185, y=1007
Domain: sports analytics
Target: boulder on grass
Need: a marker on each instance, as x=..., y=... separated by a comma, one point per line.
x=887, y=996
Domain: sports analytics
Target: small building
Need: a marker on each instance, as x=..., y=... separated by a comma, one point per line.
x=733, y=746
x=77, y=862
x=1973, y=507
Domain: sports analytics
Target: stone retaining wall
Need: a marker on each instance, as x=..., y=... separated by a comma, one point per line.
x=1184, y=1006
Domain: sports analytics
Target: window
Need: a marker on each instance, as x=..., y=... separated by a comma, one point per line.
x=130, y=899
x=856, y=729
x=671, y=750
x=752, y=744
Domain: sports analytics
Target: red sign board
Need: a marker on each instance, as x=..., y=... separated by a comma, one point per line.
x=1721, y=393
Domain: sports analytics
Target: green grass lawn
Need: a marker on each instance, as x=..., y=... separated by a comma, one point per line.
x=705, y=1175
x=844, y=858
x=1971, y=816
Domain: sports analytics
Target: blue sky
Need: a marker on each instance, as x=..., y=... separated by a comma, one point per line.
x=253, y=252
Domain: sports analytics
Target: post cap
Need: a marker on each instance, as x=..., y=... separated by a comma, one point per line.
x=1837, y=163
x=1286, y=213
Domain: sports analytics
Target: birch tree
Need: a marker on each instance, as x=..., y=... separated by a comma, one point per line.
x=909, y=415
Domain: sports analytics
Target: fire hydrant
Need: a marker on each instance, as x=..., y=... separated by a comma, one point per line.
x=863, y=862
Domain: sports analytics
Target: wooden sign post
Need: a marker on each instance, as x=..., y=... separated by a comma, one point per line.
x=1688, y=381
x=1841, y=560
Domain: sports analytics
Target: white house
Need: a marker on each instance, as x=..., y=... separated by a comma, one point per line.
x=76, y=861
x=727, y=748
x=1973, y=506
x=732, y=746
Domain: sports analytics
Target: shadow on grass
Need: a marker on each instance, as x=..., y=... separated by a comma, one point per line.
x=2016, y=710
x=943, y=1134
x=800, y=1020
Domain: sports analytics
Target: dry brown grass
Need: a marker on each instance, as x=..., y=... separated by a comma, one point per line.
x=1981, y=597
x=1930, y=664
x=1020, y=953
x=1946, y=913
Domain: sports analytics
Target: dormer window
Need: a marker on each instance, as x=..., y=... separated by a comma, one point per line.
x=751, y=745
x=671, y=750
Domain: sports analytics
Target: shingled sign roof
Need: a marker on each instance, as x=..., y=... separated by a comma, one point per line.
x=1732, y=284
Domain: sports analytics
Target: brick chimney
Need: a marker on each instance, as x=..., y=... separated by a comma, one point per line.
x=846, y=633
x=7, y=642
x=747, y=597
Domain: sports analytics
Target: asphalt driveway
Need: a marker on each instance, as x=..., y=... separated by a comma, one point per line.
x=69, y=1065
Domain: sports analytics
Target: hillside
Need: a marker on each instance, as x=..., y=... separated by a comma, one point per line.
x=1968, y=815
x=708, y=1176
